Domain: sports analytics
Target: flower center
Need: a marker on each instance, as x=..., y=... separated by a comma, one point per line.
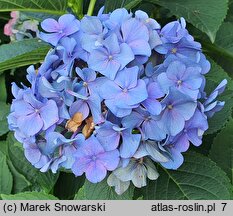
x=179, y=82
x=174, y=50
x=148, y=118
x=94, y=157
x=37, y=110
x=125, y=90
x=110, y=57
x=85, y=84
x=170, y=107
x=147, y=20
x=171, y=146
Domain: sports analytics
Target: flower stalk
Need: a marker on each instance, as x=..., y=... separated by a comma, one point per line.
x=91, y=7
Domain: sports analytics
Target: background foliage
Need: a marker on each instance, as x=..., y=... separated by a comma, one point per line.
x=207, y=172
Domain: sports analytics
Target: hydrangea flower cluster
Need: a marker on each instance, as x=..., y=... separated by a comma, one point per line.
x=20, y=26
x=116, y=93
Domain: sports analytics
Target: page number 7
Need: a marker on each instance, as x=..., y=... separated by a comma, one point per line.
x=224, y=206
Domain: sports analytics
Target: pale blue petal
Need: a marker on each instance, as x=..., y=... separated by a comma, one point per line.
x=109, y=159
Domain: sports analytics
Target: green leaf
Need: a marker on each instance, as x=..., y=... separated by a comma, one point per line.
x=4, y=111
x=21, y=53
x=29, y=196
x=204, y=15
x=37, y=16
x=6, y=180
x=224, y=37
x=220, y=118
x=4, y=147
x=3, y=95
x=111, y=5
x=217, y=74
x=222, y=50
x=229, y=17
x=222, y=150
x=46, y=6
x=197, y=179
x=77, y=7
x=101, y=191
x=20, y=183
x=45, y=181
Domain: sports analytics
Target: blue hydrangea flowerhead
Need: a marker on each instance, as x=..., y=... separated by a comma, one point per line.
x=99, y=105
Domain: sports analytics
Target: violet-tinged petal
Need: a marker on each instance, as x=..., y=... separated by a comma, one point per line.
x=80, y=106
x=218, y=90
x=86, y=74
x=194, y=136
x=133, y=120
x=46, y=167
x=119, y=112
x=30, y=98
x=176, y=162
x=32, y=153
x=125, y=56
x=153, y=106
x=108, y=137
x=96, y=172
x=140, y=47
x=80, y=165
x=69, y=24
x=164, y=82
x=31, y=124
x=113, y=90
x=112, y=44
x=127, y=78
x=23, y=108
x=91, y=25
x=94, y=103
x=134, y=30
x=57, y=163
x=151, y=130
x=130, y=144
x=52, y=38
x=137, y=94
x=154, y=90
x=99, y=61
x=109, y=142
x=171, y=122
x=175, y=69
x=117, y=17
x=50, y=25
x=44, y=160
x=181, y=143
x=110, y=159
x=186, y=109
x=49, y=114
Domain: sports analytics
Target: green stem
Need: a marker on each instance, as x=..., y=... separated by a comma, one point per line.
x=91, y=7
x=212, y=48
